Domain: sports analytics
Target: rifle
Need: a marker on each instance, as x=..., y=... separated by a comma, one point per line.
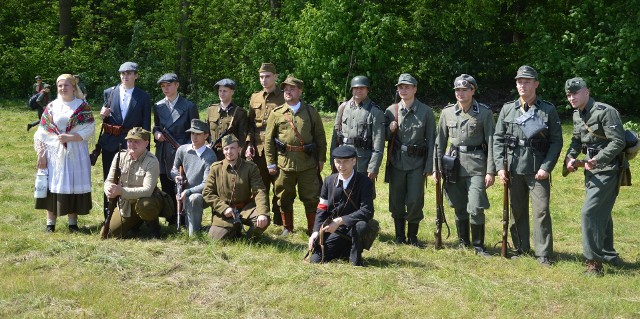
x=387, y=171
x=179, y=187
x=218, y=141
x=113, y=202
x=93, y=157
x=167, y=136
x=577, y=163
x=440, y=216
x=505, y=205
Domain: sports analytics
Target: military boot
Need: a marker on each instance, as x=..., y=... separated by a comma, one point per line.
x=412, y=235
x=477, y=233
x=154, y=228
x=311, y=220
x=462, y=227
x=287, y=223
x=399, y=224
x=594, y=268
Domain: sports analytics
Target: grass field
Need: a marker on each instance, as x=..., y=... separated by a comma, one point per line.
x=64, y=275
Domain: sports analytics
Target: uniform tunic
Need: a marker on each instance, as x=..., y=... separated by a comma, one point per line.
x=220, y=120
x=416, y=127
x=524, y=162
x=473, y=129
x=605, y=134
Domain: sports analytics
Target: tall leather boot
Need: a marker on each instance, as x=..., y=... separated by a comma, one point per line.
x=287, y=223
x=462, y=226
x=311, y=220
x=399, y=225
x=477, y=234
x=154, y=228
x=412, y=234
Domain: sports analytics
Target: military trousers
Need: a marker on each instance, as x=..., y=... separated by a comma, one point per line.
x=222, y=232
x=308, y=187
x=342, y=245
x=406, y=194
x=143, y=209
x=468, y=196
x=597, y=224
x=268, y=179
x=193, y=207
x=523, y=187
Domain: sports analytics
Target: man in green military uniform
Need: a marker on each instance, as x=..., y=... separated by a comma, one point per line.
x=411, y=133
x=598, y=133
x=138, y=197
x=529, y=130
x=260, y=105
x=235, y=191
x=295, y=149
x=360, y=123
x=468, y=125
x=226, y=117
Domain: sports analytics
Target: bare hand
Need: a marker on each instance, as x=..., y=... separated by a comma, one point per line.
x=105, y=112
x=273, y=171
x=42, y=162
x=312, y=239
x=250, y=152
x=488, y=180
x=178, y=179
x=590, y=164
x=114, y=191
x=158, y=136
x=372, y=176
x=393, y=126
x=262, y=221
x=182, y=196
x=435, y=176
x=333, y=226
x=503, y=176
x=542, y=175
x=228, y=212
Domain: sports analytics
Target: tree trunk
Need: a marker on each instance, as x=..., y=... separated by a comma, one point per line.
x=66, y=28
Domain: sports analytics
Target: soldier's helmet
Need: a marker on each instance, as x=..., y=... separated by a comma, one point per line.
x=359, y=81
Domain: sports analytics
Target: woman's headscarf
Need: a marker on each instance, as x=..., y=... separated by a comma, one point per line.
x=74, y=83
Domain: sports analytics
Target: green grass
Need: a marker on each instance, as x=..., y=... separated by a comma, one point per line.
x=65, y=275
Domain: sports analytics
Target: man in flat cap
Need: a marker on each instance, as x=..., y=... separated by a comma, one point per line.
x=38, y=86
x=344, y=223
x=235, y=191
x=226, y=117
x=295, y=149
x=172, y=118
x=468, y=126
x=139, y=200
x=360, y=123
x=598, y=133
x=528, y=132
x=195, y=160
x=125, y=106
x=411, y=133
x=260, y=106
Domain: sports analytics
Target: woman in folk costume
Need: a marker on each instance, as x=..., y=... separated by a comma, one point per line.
x=61, y=143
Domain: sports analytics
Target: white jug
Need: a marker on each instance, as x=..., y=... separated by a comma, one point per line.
x=42, y=183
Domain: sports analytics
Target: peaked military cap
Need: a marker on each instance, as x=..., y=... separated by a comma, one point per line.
x=406, y=78
x=344, y=151
x=291, y=80
x=526, y=72
x=226, y=83
x=268, y=67
x=168, y=78
x=574, y=85
x=198, y=126
x=138, y=133
x=465, y=81
x=228, y=140
x=128, y=66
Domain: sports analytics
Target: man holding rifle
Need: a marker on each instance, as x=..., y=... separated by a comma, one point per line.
x=598, y=133
x=530, y=128
x=195, y=159
x=467, y=166
x=235, y=191
x=172, y=116
x=226, y=117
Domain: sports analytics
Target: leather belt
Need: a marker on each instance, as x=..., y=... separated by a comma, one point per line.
x=114, y=130
x=295, y=148
x=469, y=148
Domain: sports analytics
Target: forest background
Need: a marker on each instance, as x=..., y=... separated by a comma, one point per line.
x=325, y=43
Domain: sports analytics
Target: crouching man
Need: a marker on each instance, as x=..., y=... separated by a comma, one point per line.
x=344, y=223
x=139, y=200
x=235, y=191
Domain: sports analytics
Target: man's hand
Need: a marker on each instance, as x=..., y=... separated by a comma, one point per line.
x=158, y=136
x=273, y=171
x=182, y=196
x=503, y=176
x=372, y=176
x=489, y=179
x=228, y=212
x=542, y=175
x=312, y=239
x=114, y=191
x=590, y=164
x=393, y=126
x=178, y=179
x=569, y=162
x=105, y=112
x=250, y=152
x=262, y=221
x=331, y=228
x=435, y=176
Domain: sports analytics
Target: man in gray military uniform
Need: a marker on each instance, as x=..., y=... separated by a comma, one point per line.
x=468, y=125
x=412, y=130
x=598, y=133
x=529, y=128
x=360, y=123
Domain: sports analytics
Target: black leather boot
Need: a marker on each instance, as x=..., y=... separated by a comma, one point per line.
x=154, y=228
x=477, y=233
x=462, y=226
x=412, y=234
x=400, y=237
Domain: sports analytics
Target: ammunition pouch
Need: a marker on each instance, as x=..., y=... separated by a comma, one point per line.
x=511, y=141
x=356, y=142
x=414, y=150
x=450, y=166
x=310, y=148
x=281, y=146
x=531, y=124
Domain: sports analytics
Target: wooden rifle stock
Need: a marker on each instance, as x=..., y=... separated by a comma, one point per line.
x=439, y=206
x=179, y=188
x=505, y=206
x=392, y=143
x=167, y=136
x=113, y=202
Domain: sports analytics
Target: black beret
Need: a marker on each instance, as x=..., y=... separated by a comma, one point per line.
x=344, y=151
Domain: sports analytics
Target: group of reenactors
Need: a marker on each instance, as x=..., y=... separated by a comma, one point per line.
x=230, y=161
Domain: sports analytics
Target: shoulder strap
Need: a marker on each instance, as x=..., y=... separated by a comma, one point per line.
x=594, y=133
x=341, y=111
x=293, y=127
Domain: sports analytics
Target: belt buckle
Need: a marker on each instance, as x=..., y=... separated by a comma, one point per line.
x=462, y=148
x=521, y=142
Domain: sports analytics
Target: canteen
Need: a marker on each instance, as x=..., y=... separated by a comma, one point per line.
x=41, y=185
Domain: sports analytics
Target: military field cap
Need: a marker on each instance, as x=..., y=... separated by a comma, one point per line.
x=359, y=81
x=226, y=83
x=268, y=67
x=406, y=78
x=38, y=77
x=128, y=66
x=138, y=133
x=228, y=140
x=198, y=126
x=526, y=72
x=574, y=85
x=291, y=80
x=465, y=81
x=168, y=78
x=344, y=151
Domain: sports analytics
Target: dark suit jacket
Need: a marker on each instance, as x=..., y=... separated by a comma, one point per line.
x=176, y=123
x=138, y=115
x=358, y=208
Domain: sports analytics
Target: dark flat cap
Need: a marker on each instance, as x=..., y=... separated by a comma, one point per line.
x=526, y=72
x=198, y=126
x=268, y=67
x=465, y=81
x=344, y=151
x=574, y=85
x=292, y=80
x=128, y=66
x=226, y=83
x=168, y=78
x=406, y=78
